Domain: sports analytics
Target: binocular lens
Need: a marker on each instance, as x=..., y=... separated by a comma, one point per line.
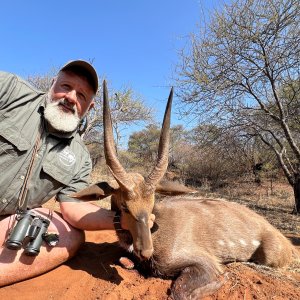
x=13, y=245
x=30, y=251
x=18, y=233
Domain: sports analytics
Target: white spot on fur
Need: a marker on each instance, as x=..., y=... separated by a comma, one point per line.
x=143, y=220
x=130, y=248
x=206, y=211
x=221, y=242
x=243, y=242
x=255, y=243
x=231, y=244
x=127, y=247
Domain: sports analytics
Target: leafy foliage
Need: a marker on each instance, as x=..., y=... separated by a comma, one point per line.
x=242, y=75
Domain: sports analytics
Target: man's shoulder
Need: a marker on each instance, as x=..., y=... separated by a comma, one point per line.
x=8, y=77
x=6, y=74
x=15, y=80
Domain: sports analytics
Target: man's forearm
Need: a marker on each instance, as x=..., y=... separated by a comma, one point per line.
x=87, y=216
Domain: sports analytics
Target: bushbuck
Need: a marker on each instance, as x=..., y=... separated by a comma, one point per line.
x=191, y=237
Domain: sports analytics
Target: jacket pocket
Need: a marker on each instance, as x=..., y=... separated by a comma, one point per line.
x=12, y=135
x=9, y=153
x=61, y=165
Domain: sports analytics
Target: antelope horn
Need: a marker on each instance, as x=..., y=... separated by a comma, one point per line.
x=112, y=161
x=163, y=149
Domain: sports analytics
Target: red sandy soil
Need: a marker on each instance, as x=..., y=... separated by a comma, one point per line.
x=94, y=273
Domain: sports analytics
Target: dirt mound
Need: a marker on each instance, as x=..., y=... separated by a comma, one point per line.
x=249, y=281
x=94, y=273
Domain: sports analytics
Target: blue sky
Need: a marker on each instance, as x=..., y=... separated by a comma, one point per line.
x=133, y=43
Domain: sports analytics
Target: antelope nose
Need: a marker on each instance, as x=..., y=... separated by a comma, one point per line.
x=146, y=254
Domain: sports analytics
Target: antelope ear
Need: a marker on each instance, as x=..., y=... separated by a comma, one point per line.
x=94, y=192
x=173, y=188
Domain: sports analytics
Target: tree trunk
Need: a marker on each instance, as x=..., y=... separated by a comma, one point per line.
x=256, y=169
x=297, y=193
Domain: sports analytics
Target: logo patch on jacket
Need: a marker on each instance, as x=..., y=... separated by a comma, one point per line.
x=67, y=157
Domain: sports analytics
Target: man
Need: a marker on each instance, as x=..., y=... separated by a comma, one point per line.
x=42, y=156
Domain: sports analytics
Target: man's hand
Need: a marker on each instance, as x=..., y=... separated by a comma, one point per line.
x=125, y=221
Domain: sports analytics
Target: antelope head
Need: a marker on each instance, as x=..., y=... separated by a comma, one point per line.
x=135, y=195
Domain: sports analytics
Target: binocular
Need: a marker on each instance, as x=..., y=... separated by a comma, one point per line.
x=29, y=230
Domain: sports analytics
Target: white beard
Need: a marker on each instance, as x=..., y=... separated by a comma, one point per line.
x=58, y=119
